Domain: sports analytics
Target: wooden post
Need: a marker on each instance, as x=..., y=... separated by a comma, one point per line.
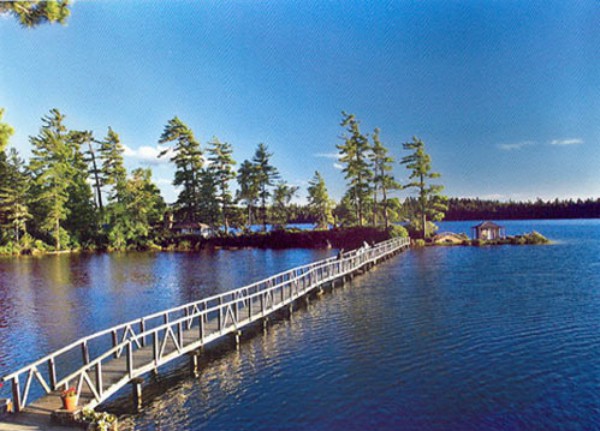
x=16, y=394
x=220, y=317
x=180, y=334
x=142, y=330
x=136, y=386
x=115, y=340
x=129, y=359
x=194, y=363
x=235, y=337
x=52, y=373
x=85, y=353
x=99, y=383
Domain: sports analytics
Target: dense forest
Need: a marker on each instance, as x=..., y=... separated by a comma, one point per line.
x=477, y=209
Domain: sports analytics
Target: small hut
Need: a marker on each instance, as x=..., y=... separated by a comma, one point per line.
x=488, y=231
x=197, y=229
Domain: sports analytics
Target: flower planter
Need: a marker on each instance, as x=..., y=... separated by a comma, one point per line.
x=69, y=403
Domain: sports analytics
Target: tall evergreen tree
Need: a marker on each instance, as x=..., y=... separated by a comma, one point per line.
x=6, y=131
x=140, y=209
x=282, y=197
x=209, y=202
x=86, y=141
x=187, y=157
x=113, y=172
x=248, y=187
x=354, y=153
x=432, y=203
x=52, y=171
x=221, y=166
x=81, y=221
x=266, y=174
x=31, y=13
x=319, y=201
x=14, y=210
x=383, y=181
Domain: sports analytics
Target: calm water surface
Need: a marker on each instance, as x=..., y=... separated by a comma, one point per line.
x=458, y=338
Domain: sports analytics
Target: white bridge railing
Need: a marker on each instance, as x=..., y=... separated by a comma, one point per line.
x=107, y=360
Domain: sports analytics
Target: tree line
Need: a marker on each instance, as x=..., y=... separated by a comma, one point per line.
x=75, y=191
x=478, y=209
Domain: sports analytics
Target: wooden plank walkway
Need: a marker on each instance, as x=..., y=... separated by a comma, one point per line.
x=130, y=350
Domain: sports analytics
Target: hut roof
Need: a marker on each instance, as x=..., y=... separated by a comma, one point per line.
x=190, y=226
x=487, y=225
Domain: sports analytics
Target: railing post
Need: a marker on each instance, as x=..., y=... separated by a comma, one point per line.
x=52, y=373
x=262, y=303
x=180, y=334
x=115, y=341
x=155, y=347
x=99, y=383
x=249, y=306
x=16, y=394
x=142, y=330
x=85, y=352
x=129, y=359
x=201, y=328
x=236, y=307
x=220, y=316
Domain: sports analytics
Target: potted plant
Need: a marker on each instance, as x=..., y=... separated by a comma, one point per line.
x=69, y=399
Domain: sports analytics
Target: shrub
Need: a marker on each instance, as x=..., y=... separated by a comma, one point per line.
x=419, y=243
x=396, y=231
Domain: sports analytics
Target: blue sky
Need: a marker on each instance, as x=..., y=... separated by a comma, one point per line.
x=505, y=94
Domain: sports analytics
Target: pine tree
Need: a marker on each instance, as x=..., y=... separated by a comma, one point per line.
x=354, y=153
x=81, y=222
x=221, y=167
x=187, y=157
x=14, y=210
x=319, y=201
x=32, y=13
x=52, y=171
x=86, y=140
x=282, y=196
x=248, y=187
x=6, y=131
x=432, y=203
x=209, y=202
x=266, y=174
x=382, y=181
x=345, y=212
x=113, y=172
x=140, y=209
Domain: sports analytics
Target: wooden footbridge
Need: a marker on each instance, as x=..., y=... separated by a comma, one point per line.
x=101, y=364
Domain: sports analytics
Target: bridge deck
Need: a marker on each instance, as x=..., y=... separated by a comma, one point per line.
x=143, y=345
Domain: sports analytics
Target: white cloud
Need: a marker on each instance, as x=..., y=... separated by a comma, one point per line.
x=148, y=154
x=574, y=141
x=334, y=156
x=338, y=166
x=164, y=181
x=516, y=145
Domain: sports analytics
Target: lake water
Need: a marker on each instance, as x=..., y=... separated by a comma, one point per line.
x=456, y=338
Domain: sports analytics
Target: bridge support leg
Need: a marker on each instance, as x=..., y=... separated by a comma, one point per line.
x=235, y=338
x=195, y=363
x=136, y=386
x=265, y=324
x=307, y=300
x=320, y=291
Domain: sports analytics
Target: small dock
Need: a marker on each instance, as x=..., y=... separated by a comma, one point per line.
x=101, y=364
